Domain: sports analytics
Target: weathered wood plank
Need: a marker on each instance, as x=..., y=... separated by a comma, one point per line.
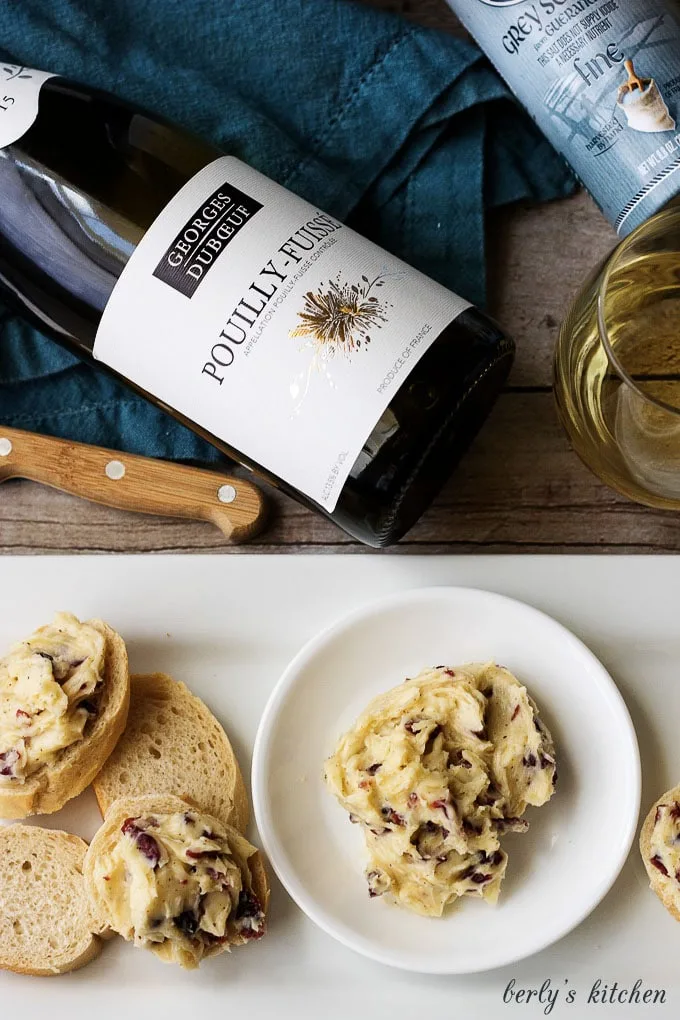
x=520, y=487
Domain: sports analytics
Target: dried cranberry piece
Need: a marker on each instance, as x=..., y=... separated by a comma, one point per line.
x=497, y=858
x=196, y=855
x=371, y=878
x=149, y=848
x=515, y=714
x=413, y=798
x=411, y=725
x=8, y=759
x=188, y=818
x=659, y=864
x=187, y=922
x=443, y=805
x=248, y=905
x=390, y=815
x=22, y=715
x=675, y=810
x=146, y=844
x=130, y=828
x=372, y=769
x=479, y=879
x=530, y=760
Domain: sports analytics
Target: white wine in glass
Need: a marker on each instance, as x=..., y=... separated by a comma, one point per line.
x=617, y=366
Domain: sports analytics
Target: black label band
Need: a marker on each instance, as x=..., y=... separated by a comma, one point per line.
x=203, y=238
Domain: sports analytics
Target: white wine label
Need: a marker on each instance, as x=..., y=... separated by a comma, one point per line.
x=19, y=94
x=270, y=324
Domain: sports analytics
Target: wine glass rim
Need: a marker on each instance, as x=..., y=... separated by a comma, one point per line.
x=612, y=263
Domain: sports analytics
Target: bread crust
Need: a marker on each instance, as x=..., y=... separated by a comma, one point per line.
x=33, y=842
x=106, y=837
x=666, y=888
x=55, y=783
x=151, y=767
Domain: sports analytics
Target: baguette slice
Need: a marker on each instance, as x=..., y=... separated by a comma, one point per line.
x=47, y=925
x=666, y=887
x=174, y=745
x=106, y=838
x=57, y=782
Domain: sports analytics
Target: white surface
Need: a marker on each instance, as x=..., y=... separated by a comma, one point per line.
x=329, y=684
x=228, y=626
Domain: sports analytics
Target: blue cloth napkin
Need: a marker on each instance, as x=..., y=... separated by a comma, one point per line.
x=405, y=133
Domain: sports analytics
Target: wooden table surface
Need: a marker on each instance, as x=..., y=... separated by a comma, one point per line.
x=520, y=488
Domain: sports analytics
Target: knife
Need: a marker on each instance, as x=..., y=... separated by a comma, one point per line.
x=131, y=482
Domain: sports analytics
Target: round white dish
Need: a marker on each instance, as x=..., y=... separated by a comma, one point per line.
x=558, y=871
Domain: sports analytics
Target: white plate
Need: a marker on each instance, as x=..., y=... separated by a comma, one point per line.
x=558, y=872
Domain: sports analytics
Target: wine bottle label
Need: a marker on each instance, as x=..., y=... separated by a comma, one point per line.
x=19, y=93
x=270, y=324
x=602, y=80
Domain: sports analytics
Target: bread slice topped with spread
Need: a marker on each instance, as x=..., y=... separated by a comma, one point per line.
x=64, y=698
x=175, y=880
x=47, y=925
x=173, y=744
x=660, y=849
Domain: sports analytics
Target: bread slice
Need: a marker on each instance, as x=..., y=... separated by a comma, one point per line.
x=173, y=744
x=108, y=835
x=47, y=925
x=53, y=784
x=666, y=887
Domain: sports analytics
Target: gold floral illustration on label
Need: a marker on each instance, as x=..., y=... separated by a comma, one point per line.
x=339, y=318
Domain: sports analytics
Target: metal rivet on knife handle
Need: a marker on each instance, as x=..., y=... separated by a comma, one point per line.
x=226, y=493
x=115, y=470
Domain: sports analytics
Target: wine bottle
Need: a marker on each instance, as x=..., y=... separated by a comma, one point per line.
x=297, y=347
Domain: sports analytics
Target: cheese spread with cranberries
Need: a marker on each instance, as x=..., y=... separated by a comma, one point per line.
x=435, y=771
x=179, y=884
x=48, y=691
x=665, y=842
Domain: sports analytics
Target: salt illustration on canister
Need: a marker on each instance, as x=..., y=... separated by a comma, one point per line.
x=643, y=104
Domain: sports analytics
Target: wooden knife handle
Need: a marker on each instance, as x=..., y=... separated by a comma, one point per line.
x=131, y=482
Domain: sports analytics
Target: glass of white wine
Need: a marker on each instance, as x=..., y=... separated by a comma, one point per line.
x=617, y=366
